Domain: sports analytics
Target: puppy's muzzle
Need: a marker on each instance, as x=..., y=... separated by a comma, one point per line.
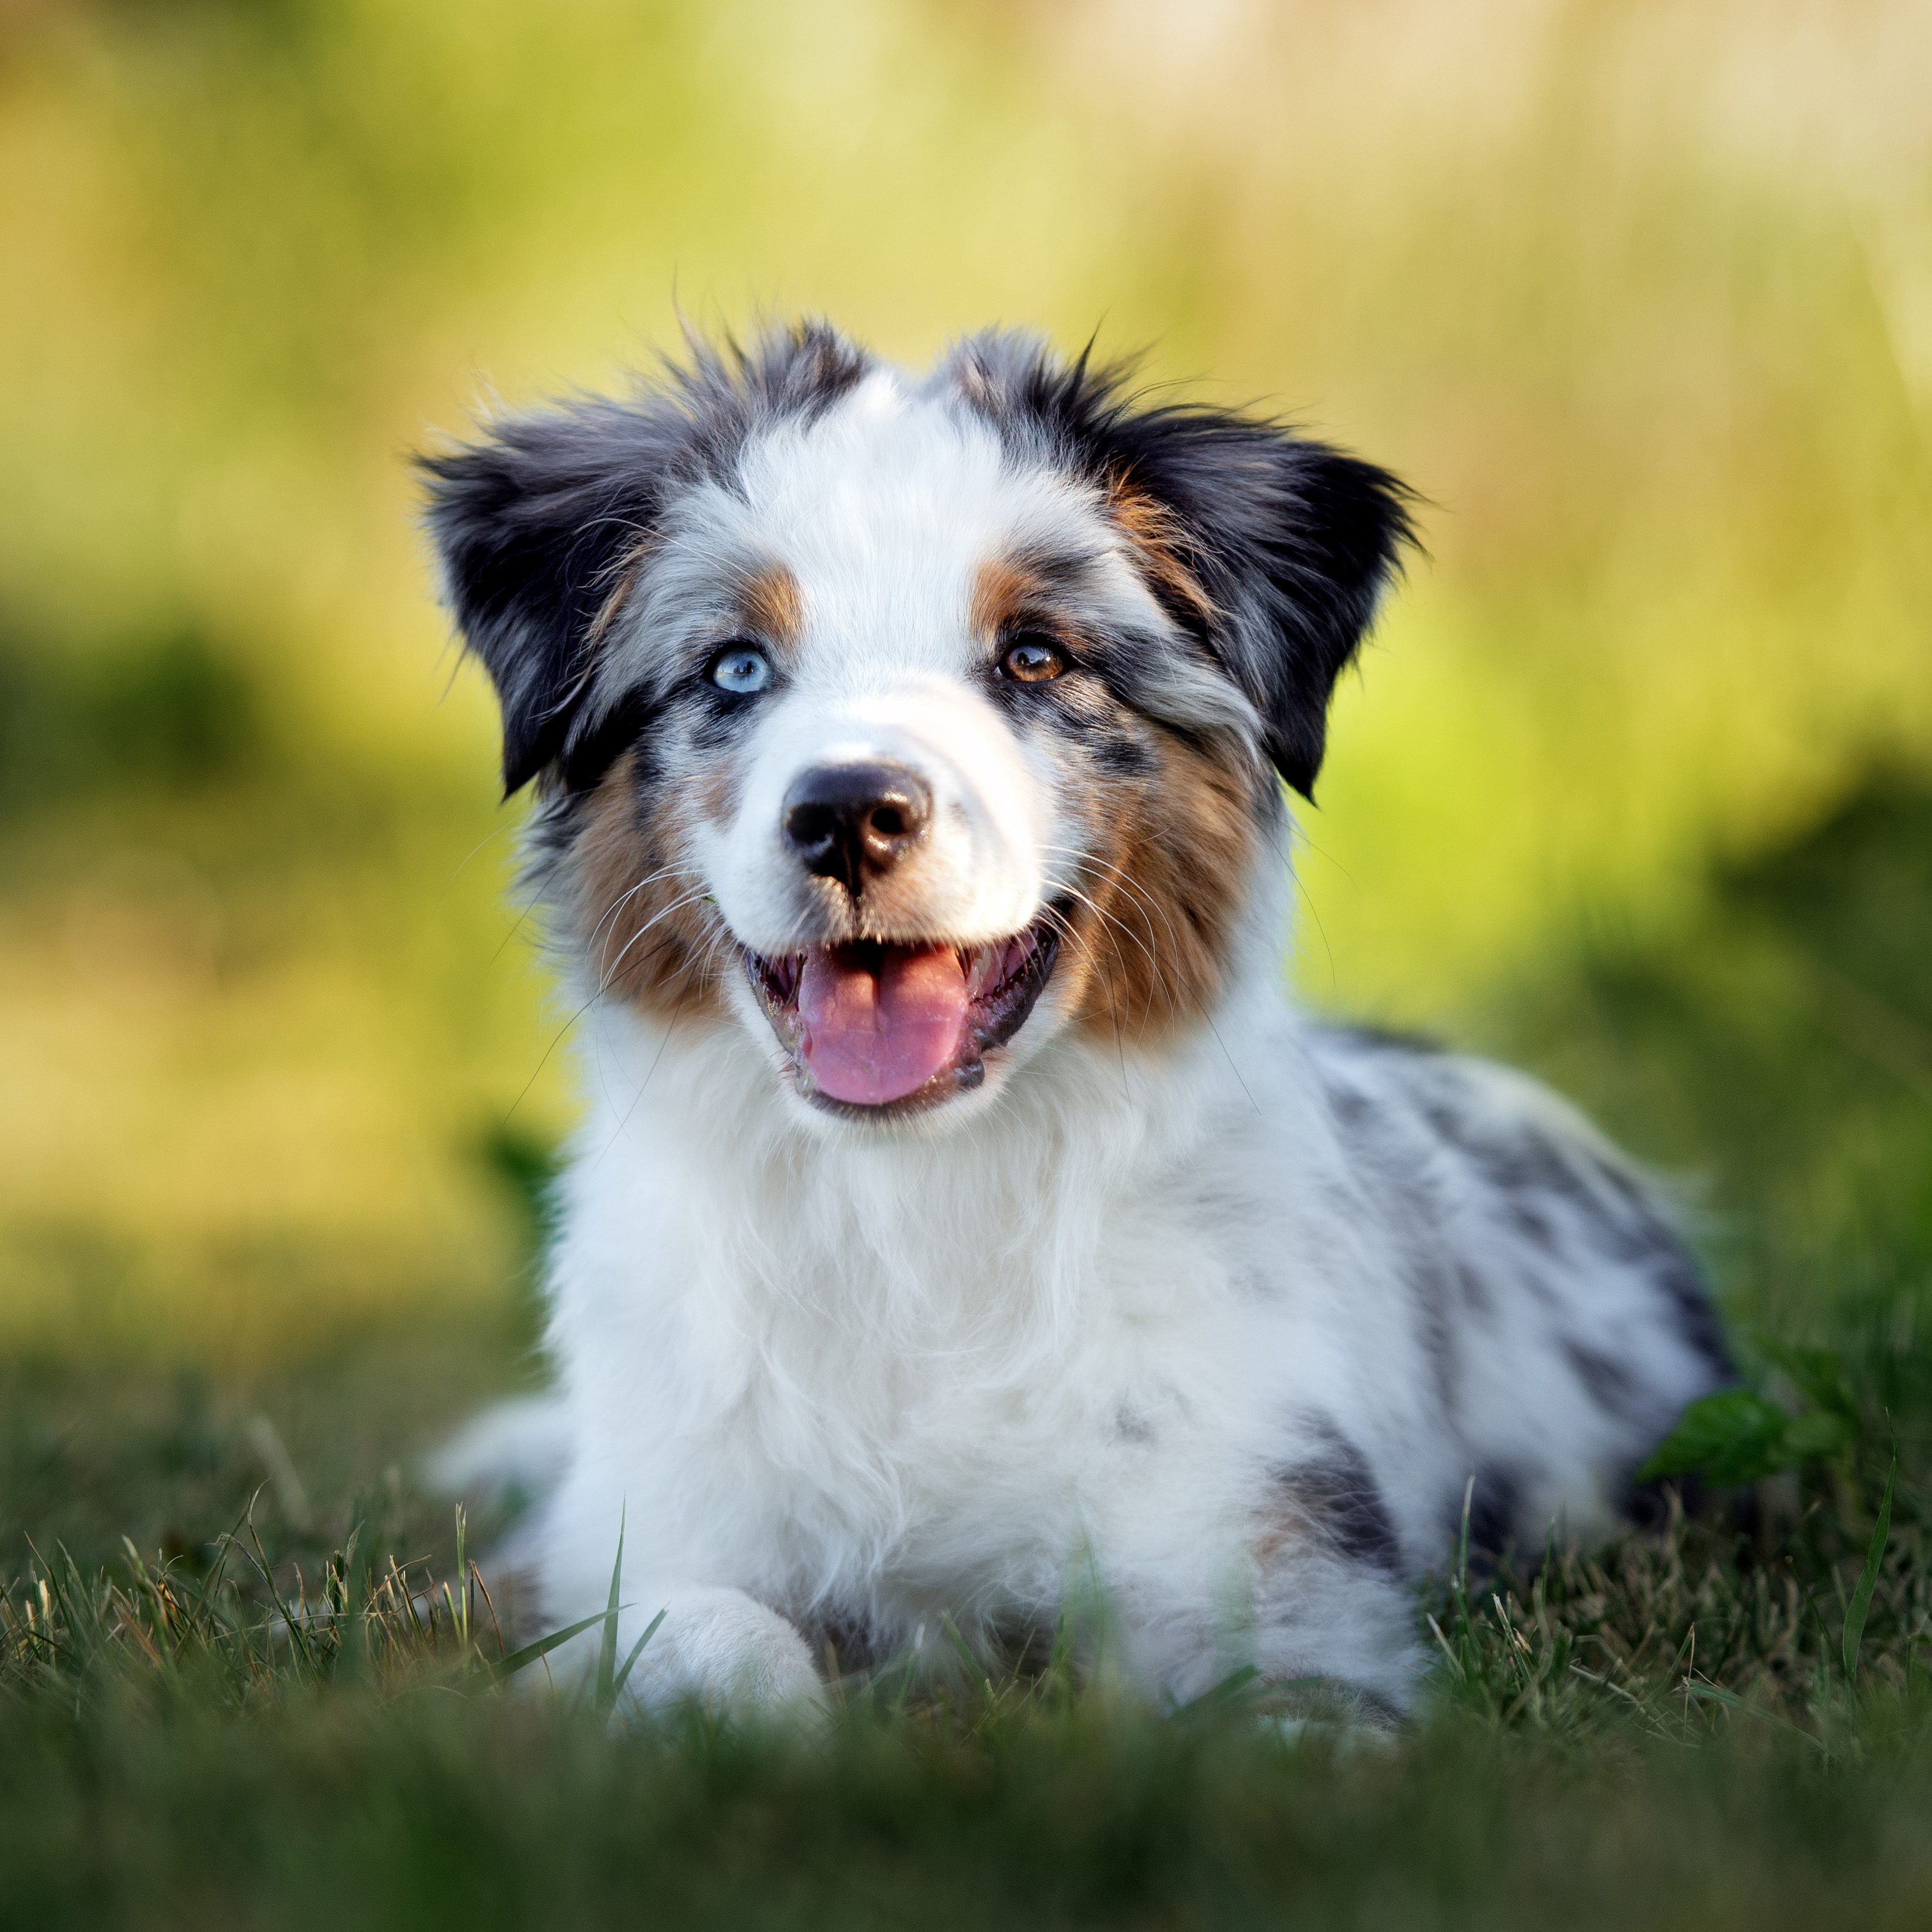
x=853, y=823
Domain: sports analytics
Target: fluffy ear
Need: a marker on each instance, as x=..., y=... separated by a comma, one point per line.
x=1293, y=542
x=535, y=524
x=532, y=526
x=1272, y=548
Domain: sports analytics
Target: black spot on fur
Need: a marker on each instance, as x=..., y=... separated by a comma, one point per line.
x=1431, y=1286
x=1353, y=1108
x=535, y=523
x=590, y=753
x=1340, y=1496
x=1475, y=1292
x=1630, y=1228
x=1530, y=1222
x=1087, y=716
x=1521, y=1164
x=1611, y=1385
x=714, y=720
x=841, y=1640
x=1528, y=1170
x=1291, y=540
x=1117, y=754
x=1684, y=1285
x=1386, y=1039
x=1383, y=1154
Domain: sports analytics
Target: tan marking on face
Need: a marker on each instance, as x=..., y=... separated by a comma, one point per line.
x=1156, y=541
x=773, y=604
x=1173, y=856
x=1004, y=594
x=630, y=897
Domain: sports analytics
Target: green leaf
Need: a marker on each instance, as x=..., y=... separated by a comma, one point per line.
x=1860, y=1602
x=1818, y=1433
x=1734, y=1436
x=1818, y=1374
x=1737, y=1436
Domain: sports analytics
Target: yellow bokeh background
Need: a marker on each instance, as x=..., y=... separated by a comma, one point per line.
x=1637, y=295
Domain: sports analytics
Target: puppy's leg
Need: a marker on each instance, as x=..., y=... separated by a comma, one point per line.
x=720, y=1647
x=714, y=1646
x=1343, y=1634
x=1334, y=1639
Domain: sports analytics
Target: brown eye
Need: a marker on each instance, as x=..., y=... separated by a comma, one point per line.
x=1032, y=660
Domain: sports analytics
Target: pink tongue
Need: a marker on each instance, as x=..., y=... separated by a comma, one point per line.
x=879, y=1022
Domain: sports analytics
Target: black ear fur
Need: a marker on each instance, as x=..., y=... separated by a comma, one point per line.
x=1292, y=540
x=1297, y=542
x=534, y=524
x=531, y=526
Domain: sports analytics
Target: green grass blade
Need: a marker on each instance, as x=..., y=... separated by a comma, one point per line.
x=606, y=1649
x=1860, y=1602
x=975, y=1674
x=463, y=1601
x=636, y=1651
x=1728, y=1700
x=1224, y=1692
x=521, y=1660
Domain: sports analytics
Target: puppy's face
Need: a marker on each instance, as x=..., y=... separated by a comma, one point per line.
x=906, y=725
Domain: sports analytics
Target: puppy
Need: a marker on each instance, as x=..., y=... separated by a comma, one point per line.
x=959, y=1204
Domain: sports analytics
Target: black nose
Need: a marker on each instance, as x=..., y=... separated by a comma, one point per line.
x=851, y=822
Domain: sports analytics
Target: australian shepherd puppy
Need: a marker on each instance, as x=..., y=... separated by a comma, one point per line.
x=960, y=1206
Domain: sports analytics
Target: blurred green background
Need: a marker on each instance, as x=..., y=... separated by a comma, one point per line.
x=1633, y=783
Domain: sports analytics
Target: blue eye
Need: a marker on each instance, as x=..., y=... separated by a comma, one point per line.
x=741, y=669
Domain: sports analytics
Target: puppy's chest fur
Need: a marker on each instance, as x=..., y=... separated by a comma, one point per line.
x=888, y=1378
x=1211, y=1331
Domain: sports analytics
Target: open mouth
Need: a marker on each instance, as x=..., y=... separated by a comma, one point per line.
x=871, y=1025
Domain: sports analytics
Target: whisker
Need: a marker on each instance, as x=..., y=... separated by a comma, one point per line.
x=557, y=1039
x=676, y=905
x=1149, y=946
x=1142, y=897
x=624, y=898
x=1206, y=1016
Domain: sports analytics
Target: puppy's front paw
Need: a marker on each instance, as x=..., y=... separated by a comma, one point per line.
x=727, y=1651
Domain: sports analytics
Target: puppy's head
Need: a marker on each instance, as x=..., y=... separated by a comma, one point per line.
x=903, y=722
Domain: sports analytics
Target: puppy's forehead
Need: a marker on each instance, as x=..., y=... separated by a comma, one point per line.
x=885, y=508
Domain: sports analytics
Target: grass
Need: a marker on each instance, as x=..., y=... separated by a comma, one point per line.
x=349, y=1807
x=282, y=1701
x=184, y=1747
x=1678, y=1732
